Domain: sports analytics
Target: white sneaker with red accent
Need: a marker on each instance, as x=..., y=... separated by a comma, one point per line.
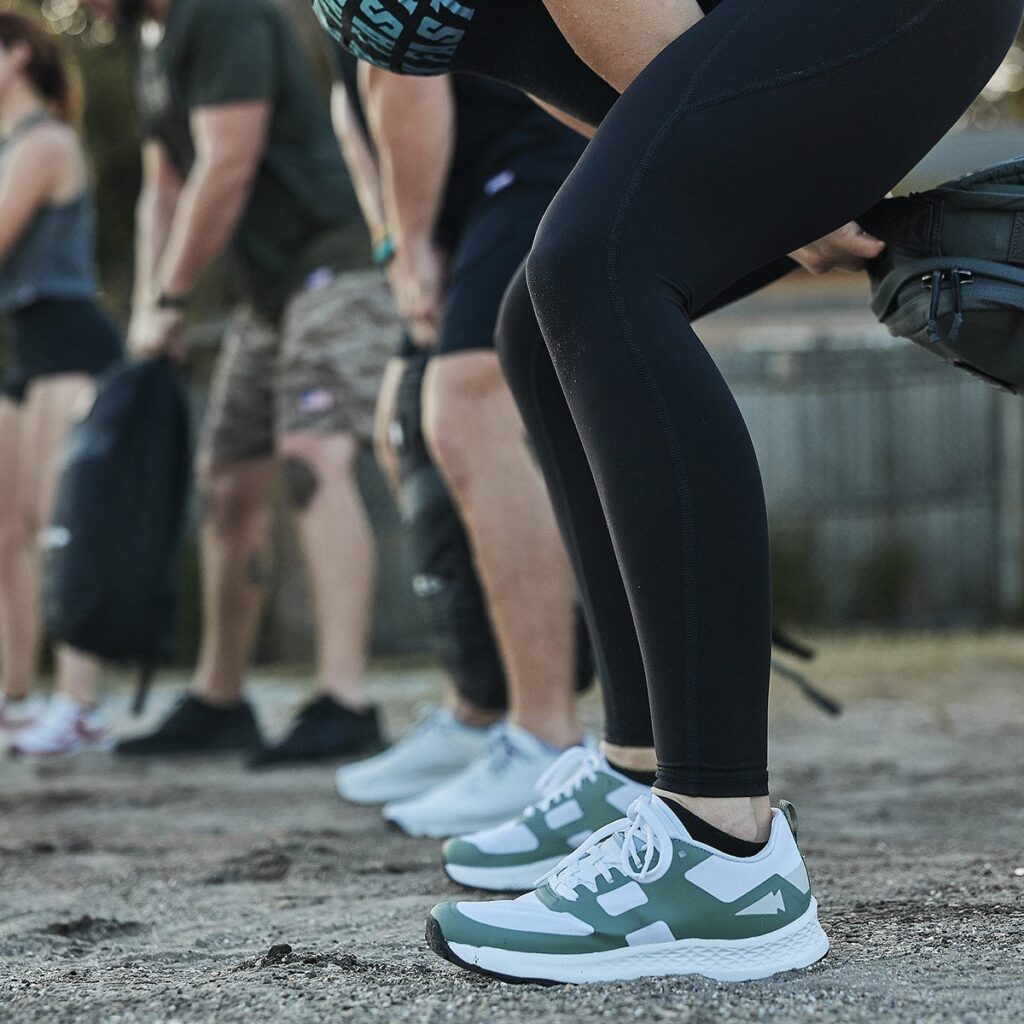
x=65, y=728
x=16, y=715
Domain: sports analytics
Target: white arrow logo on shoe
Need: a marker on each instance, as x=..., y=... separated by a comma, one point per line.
x=773, y=903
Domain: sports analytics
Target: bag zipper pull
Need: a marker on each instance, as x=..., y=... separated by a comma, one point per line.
x=934, y=336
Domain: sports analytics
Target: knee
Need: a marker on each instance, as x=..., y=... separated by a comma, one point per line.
x=565, y=268
x=230, y=505
x=309, y=462
x=458, y=396
x=518, y=336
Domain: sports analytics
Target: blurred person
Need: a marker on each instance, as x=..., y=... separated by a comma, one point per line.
x=453, y=177
x=239, y=154
x=61, y=341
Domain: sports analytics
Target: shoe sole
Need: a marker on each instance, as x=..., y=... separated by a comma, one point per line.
x=447, y=832
x=517, y=879
x=360, y=796
x=796, y=946
x=42, y=756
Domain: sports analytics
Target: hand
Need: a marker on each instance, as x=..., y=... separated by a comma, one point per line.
x=417, y=276
x=849, y=249
x=155, y=331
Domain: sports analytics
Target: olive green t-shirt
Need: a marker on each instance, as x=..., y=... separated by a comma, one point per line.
x=216, y=52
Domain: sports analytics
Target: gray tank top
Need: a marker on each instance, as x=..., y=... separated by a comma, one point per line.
x=53, y=258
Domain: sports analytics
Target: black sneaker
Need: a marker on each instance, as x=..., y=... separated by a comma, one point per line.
x=324, y=731
x=195, y=727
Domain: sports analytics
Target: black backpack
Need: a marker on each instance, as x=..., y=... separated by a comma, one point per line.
x=110, y=554
x=952, y=276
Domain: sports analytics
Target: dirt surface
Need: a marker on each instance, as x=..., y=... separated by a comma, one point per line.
x=195, y=891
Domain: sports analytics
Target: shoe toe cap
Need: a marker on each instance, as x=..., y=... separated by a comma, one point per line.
x=462, y=853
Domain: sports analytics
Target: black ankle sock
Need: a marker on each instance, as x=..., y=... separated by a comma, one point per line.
x=707, y=834
x=644, y=778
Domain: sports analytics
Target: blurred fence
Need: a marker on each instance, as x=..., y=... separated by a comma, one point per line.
x=895, y=490
x=895, y=484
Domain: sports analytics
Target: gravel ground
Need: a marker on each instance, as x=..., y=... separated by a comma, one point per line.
x=169, y=892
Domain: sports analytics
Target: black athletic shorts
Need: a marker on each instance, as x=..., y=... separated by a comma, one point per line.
x=58, y=336
x=495, y=238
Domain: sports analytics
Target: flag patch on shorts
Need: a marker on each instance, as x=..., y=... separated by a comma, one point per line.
x=316, y=400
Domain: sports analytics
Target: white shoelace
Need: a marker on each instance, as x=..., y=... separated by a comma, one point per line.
x=639, y=845
x=576, y=766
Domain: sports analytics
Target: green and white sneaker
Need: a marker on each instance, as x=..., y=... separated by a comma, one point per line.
x=580, y=793
x=641, y=898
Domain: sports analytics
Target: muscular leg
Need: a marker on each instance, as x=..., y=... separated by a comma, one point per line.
x=234, y=500
x=319, y=477
x=615, y=292
x=477, y=440
x=467, y=709
x=19, y=593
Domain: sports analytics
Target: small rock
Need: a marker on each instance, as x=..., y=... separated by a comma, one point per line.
x=278, y=953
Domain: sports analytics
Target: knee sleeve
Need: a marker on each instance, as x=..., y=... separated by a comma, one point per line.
x=446, y=584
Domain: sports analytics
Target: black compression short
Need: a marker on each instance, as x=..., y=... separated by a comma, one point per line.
x=59, y=336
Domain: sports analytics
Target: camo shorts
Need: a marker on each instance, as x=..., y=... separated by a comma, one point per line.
x=317, y=370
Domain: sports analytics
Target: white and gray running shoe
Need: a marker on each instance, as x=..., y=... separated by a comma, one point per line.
x=432, y=752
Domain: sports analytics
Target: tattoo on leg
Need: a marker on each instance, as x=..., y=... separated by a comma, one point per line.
x=301, y=482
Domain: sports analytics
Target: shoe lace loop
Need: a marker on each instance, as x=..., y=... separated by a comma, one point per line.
x=576, y=766
x=638, y=846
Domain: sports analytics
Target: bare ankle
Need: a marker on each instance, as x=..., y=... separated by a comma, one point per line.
x=472, y=716
x=217, y=697
x=559, y=733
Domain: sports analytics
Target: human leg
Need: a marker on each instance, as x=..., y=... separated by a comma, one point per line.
x=477, y=439
x=19, y=586
x=706, y=588
x=235, y=470
x=616, y=278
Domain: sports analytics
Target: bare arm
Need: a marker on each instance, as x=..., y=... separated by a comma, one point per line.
x=30, y=177
x=361, y=163
x=154, y=214
x=413, y=125
x=230, y=142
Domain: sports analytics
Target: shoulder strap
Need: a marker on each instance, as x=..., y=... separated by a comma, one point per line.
x=26, y=125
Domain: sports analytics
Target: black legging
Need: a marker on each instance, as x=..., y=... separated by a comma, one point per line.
x=768, y=125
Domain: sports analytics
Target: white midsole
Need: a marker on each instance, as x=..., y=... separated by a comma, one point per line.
x=447, y=829
x=507, y=879
x=359, y=792
x=797, y=945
